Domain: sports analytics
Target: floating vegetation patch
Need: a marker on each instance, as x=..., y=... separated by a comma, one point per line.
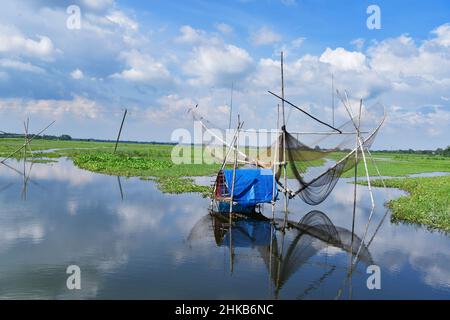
x=428, y=201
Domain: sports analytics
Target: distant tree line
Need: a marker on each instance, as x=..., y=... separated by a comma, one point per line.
x=43, y=137
x=66, y=137
x=439, y=151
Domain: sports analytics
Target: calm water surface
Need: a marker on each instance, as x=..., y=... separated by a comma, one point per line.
x=133, y=242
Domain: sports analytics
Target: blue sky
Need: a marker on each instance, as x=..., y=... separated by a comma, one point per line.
x=157, y=58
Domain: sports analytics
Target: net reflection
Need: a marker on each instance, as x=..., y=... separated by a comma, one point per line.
x=284, y=246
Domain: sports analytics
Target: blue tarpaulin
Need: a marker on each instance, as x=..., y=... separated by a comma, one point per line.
x=248, y=233
x=252, y=186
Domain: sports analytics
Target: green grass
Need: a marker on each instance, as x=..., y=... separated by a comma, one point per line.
x=178, y=185
x=428, y=201
x=397, y=165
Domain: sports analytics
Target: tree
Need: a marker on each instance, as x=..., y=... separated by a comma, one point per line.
x=65, y=137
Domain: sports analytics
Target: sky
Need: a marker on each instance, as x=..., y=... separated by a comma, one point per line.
x=158, y=58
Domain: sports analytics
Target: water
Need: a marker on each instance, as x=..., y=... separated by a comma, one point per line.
x=150, y=245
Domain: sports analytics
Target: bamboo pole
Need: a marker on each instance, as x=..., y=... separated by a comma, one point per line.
x=275, y=164
x=303, y=111
x=232, y=194
x=284, y=139
x=231, y=104
x=272, y=223
x=24, y=190
x=29, y=140
x=361, y=146
x=120, y=187
x=332, y=95
x=120, y=130
x=304, y=132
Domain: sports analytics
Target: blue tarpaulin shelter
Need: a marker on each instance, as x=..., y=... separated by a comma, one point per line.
x=252, y=186
x=248, y=234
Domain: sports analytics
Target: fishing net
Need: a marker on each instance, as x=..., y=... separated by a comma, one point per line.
x=313, y=172
x=305, y=239
x=314, y=161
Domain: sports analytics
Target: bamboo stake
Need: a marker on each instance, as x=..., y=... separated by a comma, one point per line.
x=272, y=223
x=284, y=139
x=120, y=187
x=332, y=95
x=120, y=130
x=225, y=159
x=275, y=163
x=231, y=104
x=232, y=195
x=388, y=193
x=29, y=140
x=367, y=175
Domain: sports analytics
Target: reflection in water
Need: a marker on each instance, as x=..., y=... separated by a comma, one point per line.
x=284, y=246
x=136, y=248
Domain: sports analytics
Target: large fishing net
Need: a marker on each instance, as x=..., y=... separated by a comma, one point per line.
x=303, y=240
x=283, y=250
x=303, y=162
x=312, y=162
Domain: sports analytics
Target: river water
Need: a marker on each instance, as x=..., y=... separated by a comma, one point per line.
x=133, y=242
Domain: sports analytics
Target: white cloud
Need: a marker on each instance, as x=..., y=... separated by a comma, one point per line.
x=78, y=106
x=217, y=64
x=174, y=107
x=296, y=43
x=143, y=68
x=401, y=57
x=77, y=74
x=169, y=106
x=443, y=35
x=119, y=18
x=189, y=35
x=13, y=41
x=98, y=4
x=224, y=28
x=343, y=59
x=265, y=36
x=19, y=65
x=358, y=43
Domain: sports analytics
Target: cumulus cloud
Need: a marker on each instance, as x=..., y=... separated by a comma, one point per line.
x=121, y=19
x=402, y=71
x=190, y=35
x=19, y=65
x=98, y=4
x=77, y=74
x=358, y=43
x=142, y=68
x=78, y=106
x=265, y=36
x=13, y=41
x=442, y=35
x=224, y=28
x=343, y=59
x=217, y=64
x=401, y=57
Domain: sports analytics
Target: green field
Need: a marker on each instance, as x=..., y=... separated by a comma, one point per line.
x=427, y=203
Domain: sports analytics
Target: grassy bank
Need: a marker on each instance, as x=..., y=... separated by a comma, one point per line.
x=428, y=201
x=398, y=165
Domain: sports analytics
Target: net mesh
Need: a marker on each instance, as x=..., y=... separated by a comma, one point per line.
x=313, y=172
x=313, y=168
